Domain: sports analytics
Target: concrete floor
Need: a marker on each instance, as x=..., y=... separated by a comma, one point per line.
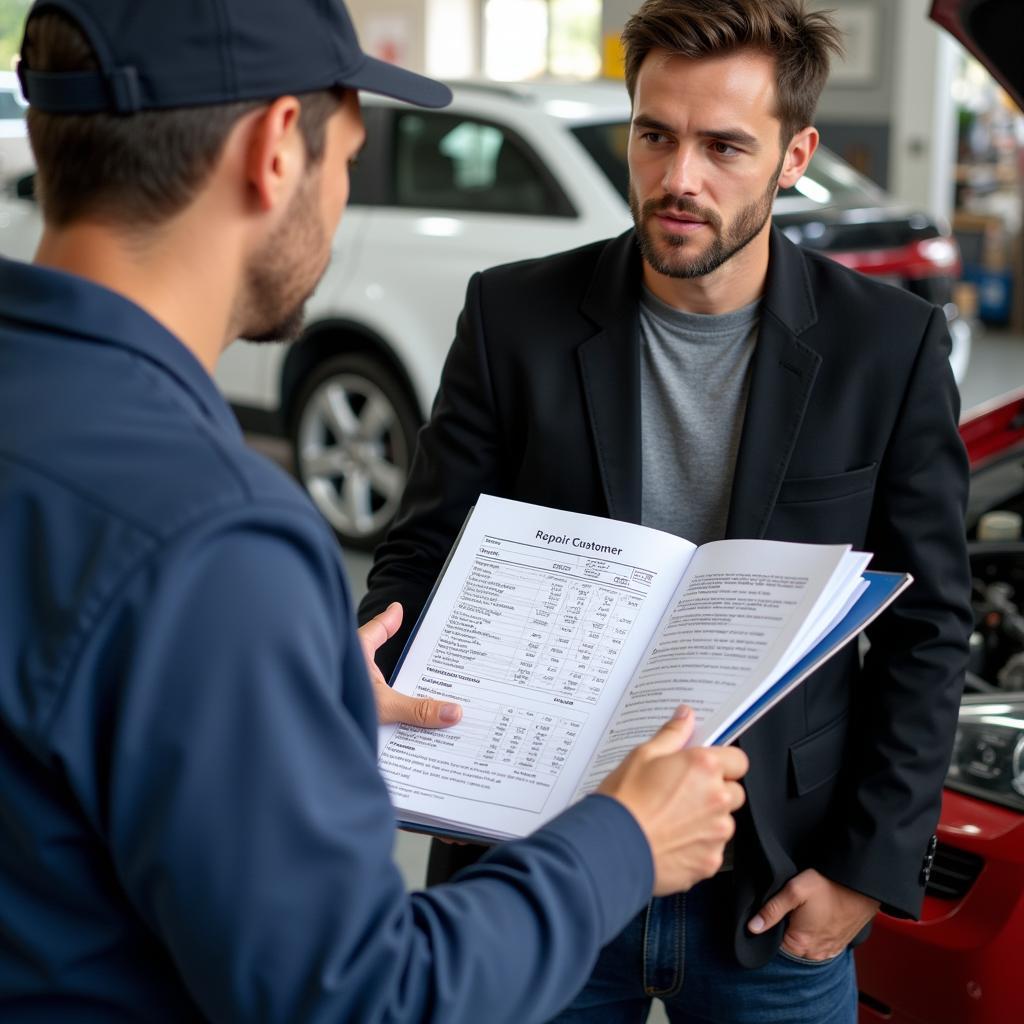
x=996, y=366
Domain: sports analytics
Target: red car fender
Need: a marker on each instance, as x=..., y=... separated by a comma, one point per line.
x=961, y=964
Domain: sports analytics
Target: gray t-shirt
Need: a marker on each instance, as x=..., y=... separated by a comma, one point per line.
x=695, y=373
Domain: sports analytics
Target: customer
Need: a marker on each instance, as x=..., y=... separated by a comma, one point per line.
x=702, y=375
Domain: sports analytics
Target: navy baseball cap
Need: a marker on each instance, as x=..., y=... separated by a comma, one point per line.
x=160, y=54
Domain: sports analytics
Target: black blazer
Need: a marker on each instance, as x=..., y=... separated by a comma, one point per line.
x=849, y=437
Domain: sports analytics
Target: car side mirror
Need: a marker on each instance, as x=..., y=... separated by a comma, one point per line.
x=25, y=188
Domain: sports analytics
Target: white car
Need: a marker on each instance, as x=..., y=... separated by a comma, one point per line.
x=504, y=173
x=15, y=151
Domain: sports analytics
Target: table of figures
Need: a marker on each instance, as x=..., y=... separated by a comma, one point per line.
x=541, y=619
x=494, y=732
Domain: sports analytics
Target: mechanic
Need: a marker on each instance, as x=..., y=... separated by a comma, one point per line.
x=192, y=825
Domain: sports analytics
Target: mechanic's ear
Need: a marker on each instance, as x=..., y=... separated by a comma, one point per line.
x=276, y=155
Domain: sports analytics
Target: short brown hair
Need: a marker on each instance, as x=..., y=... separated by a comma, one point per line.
x=136, y=169
x=800, y=41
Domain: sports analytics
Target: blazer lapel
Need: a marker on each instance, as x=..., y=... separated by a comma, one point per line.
x=782, y=376
x=610, y=370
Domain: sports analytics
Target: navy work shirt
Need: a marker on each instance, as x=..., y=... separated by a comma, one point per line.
x=191, y=821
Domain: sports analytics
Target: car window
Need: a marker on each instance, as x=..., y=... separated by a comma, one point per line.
x=443, y=161
x=830, y=179
x=10, y=108
x=606, y=144
x=368, y=181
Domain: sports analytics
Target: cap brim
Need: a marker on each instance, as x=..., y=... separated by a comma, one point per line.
x=389, y=80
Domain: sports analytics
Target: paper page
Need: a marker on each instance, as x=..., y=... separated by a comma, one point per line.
x=537, y=625
x=831, y=603
x=875, y=592
x=738, y=610
x=829, y=622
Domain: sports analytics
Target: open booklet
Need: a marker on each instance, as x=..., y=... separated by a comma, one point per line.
x=568, y=639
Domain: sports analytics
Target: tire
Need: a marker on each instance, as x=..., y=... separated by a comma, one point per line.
x=353, y=432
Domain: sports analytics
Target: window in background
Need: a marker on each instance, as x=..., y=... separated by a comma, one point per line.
x=451, y=38
x=12, y=23
x=526, y=39
x=515, y=39
x=575, y=27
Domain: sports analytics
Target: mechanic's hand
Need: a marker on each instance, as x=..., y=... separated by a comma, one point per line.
x=682, y=799
x=392, y=706
x=824, y=916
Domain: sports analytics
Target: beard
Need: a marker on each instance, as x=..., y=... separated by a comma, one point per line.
x=672, y=259
x=281, y=277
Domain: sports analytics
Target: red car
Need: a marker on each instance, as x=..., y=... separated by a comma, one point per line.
x=958, y=964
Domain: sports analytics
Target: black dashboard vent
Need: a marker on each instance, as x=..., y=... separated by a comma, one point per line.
x=953, y=872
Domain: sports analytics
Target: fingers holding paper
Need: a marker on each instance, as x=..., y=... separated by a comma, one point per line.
x=394, y=707
x=683, y=801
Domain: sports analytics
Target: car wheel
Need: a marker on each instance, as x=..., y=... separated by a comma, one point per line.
x=353, y=431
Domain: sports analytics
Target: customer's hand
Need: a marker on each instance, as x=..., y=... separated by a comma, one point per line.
x=824, y=916
x=392, y=706
x=682, y=799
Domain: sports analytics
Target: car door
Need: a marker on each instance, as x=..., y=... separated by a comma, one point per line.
x=465, y=192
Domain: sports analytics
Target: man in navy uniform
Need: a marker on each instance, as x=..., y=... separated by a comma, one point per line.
x=192, y=825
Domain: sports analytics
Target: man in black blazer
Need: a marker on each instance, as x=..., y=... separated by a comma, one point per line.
x=836, y=423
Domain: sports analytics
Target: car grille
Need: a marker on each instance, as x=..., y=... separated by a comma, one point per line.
x=953, y=872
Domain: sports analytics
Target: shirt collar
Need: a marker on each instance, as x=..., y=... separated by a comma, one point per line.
x=56, y=301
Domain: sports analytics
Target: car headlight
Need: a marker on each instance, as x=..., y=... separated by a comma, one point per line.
x=988, y=754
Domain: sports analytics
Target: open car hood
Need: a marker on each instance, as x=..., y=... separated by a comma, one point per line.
x=993, y=30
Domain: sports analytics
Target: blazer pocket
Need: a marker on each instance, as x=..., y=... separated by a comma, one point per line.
x=817, y=758
x=827, y=488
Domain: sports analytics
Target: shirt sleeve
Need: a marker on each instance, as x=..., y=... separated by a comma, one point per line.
x=251, y=831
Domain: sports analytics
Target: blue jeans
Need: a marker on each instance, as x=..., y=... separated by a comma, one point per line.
x=678, y=950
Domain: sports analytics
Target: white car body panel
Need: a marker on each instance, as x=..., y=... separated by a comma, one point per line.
x=15, y=151
x=401, y=273
x=20, y=228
